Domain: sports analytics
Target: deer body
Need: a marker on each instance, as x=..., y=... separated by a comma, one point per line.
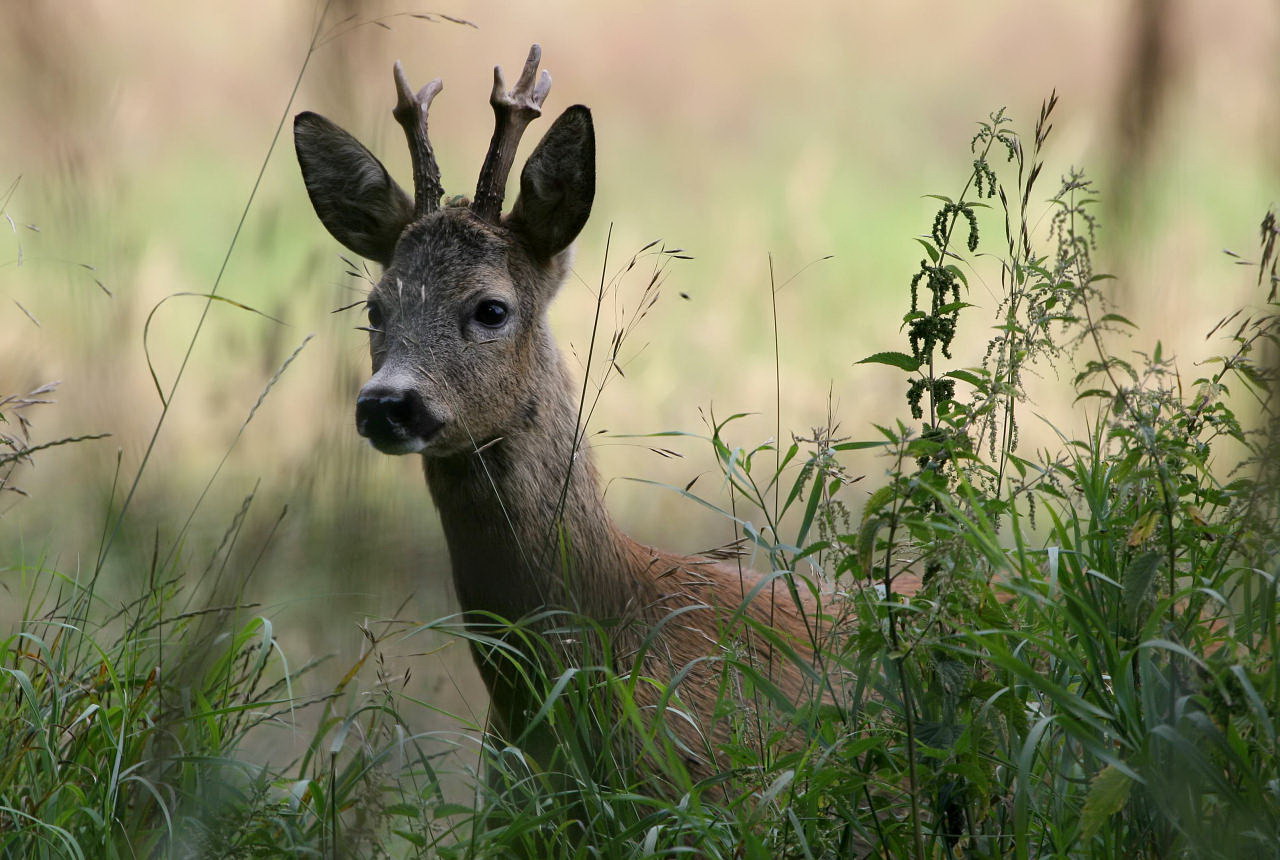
x=466, y=374
x=498, y=508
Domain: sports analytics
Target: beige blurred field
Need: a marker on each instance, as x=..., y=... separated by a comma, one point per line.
x=737, y=131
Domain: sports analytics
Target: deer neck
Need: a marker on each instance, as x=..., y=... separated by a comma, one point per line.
x=525, y=520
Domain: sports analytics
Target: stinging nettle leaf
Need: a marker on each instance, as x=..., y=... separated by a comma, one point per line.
x=965, y=376
x=929, y=249
x=893, y=359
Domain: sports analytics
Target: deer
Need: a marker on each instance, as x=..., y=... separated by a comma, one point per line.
x=467, y=375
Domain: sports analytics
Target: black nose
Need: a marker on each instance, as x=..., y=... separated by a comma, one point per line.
x=390, y=417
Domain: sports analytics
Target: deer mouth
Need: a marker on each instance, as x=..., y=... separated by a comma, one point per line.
x=395, y=421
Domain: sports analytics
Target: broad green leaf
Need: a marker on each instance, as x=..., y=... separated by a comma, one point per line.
x=1142, y=530
x=1138, y=577
x=867, y=541
x=893, y=359
x=965, y=376
x=939, y=734
x=929, y=249
x=1108, y=793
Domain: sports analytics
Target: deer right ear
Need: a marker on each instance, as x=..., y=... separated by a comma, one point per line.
x=357, y=200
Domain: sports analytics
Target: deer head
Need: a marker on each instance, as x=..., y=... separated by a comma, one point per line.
x=457, y=324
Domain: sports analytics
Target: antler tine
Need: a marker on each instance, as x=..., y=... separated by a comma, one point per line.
x=513, y=110
x=411, y=112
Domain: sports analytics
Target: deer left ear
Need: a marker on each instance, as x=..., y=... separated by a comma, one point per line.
x=557, y=185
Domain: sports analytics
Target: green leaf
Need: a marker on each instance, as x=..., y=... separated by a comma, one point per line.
x=811, y=510
x=784, y=779
x=1108, y=793
x=959, y=276
x=877, y=500
x=929, y=249
x=415, y=838
x=867, y=543
x=893, y=359
x=812, y=548
x=1093, y=392
x=1138, y=577
x=939, y=735
x=1118, y=319
x=858, y=446
x=790, y=455
x=965, y=376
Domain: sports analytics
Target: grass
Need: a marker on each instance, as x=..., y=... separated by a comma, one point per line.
x=1087, y=671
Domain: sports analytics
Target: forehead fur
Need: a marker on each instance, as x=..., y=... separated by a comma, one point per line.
x=447, y=241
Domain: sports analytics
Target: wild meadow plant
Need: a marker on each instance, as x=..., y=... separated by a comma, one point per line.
x=1083, y=666
x=1089, y=668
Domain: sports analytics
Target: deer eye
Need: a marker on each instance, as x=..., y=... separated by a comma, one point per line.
x=375, y=315
x=490, y=313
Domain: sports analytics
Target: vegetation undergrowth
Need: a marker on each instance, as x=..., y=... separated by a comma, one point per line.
x=1083, y=665
x=1064, y=653
x=1088, y=668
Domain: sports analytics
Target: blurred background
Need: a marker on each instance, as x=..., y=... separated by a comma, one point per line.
x=132, y=133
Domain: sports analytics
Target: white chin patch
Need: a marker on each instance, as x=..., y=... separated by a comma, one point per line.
x=406, y=446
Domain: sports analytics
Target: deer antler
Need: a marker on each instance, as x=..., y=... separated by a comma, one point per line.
x=513, y=110
x=411, y=112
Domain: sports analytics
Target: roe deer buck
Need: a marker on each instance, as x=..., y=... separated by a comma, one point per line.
x=465, y=373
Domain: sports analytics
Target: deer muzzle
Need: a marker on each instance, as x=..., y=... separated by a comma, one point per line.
x=394, y=419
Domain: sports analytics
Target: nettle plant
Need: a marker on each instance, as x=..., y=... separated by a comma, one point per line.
x=1089, y=668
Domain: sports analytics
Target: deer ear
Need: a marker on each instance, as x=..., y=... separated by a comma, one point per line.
x=356, y=199
x=557, y=185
